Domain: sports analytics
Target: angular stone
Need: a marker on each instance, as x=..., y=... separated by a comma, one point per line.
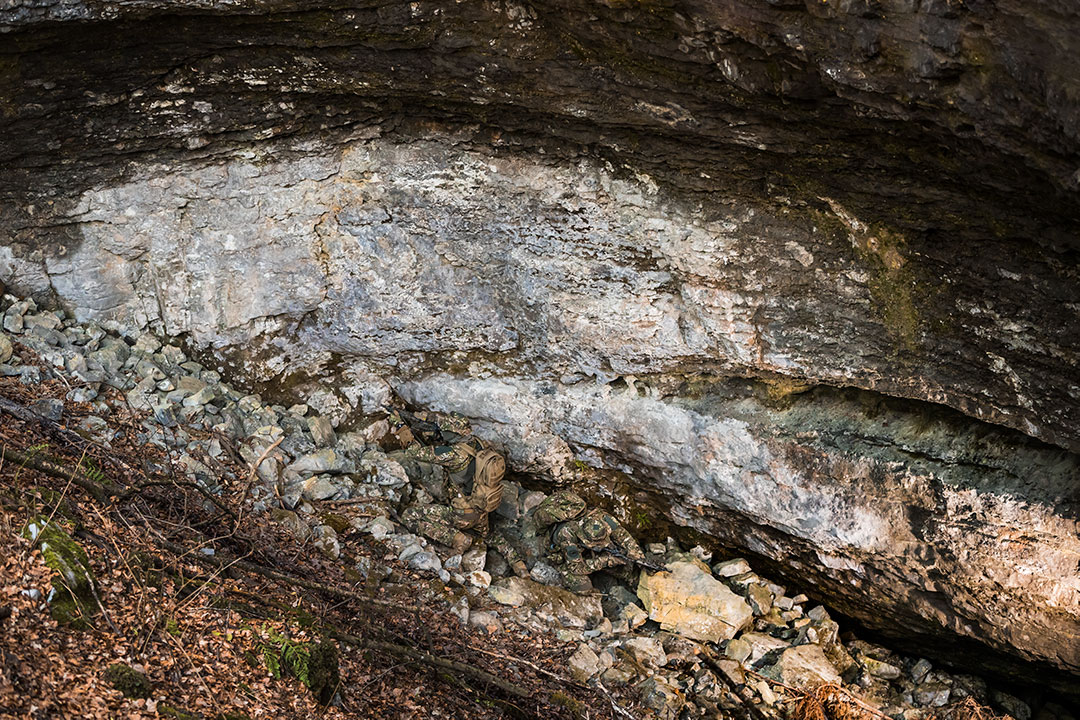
x=82, y=394
x=322, y=431
x=932, y=694
x=879, y=668
x=662, y=696
x=689, y=601
x=761, y=645
x=49, y=409
x=475, y=558
x=506, y=595
x=545, y=574
x=425, y=561
x=321, y=461
x=6, y=348
x=1011, y=704
x=480, y=579
x=486, y=621
x=647, y=651
x=584, y=663
x=509, y=507
x=45, y=320
x=920, y=669
x=380, y=527
x=803, y=667
x=731, y=568
x=738, y=650
x=321, y=488
x=760, y=598
x=147, y=344
x=189, y=384
x=326, y=541
x=13, y=322
x=634, y=615
x=200, y=398
x=561, y=605
x=296, y=525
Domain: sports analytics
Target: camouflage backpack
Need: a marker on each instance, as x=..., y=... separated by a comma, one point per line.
x=487, y=488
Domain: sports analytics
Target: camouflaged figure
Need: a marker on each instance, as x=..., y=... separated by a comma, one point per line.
x=578, y=538
x=473, y=468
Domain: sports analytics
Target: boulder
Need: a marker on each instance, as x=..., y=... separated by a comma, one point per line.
x=325, y=460
x=584, y=663
x=760, y=645
x=322, y=431
x=803, y=667
x=647, y=651
x=689, y=601
x=662, y=697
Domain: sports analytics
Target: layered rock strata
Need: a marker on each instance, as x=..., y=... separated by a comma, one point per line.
x=583, y=223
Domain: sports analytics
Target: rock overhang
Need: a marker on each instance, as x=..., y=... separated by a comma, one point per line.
x=878, y=196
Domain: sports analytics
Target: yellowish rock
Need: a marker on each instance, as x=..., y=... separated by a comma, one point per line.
x=689, y=601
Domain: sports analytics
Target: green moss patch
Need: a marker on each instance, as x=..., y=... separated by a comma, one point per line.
x=72, y=600
x=166, y=710
x=128, y=680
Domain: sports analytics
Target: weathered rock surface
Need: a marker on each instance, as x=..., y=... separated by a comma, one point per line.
x=689, y=601
x=582, y=223
x=803, y=666
x=561, y=605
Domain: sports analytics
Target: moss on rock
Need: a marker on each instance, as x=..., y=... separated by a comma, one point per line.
x=72, y=599
x=166, y=710
x=128, y=680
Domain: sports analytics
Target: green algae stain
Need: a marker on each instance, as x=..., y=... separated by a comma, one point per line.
x=891, y=277
x=72, y=599
x=892, y=284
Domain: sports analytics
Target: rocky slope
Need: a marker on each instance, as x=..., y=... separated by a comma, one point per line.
x=691, y=635
x=646, y=239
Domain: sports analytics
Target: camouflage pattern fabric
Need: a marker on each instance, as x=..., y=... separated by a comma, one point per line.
x=470, y=463
x=435, y=522
x=430, y=427
x=577, y=544
x=559, y=507
x=454, y=458
x=473, y=468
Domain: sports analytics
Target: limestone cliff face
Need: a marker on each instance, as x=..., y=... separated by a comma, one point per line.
x=699, y=245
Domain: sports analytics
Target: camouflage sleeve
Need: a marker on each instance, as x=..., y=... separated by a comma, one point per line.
x=622, y=539
x=599, y=561
x=452, y=457
x=502, y=545
x=454, y=423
